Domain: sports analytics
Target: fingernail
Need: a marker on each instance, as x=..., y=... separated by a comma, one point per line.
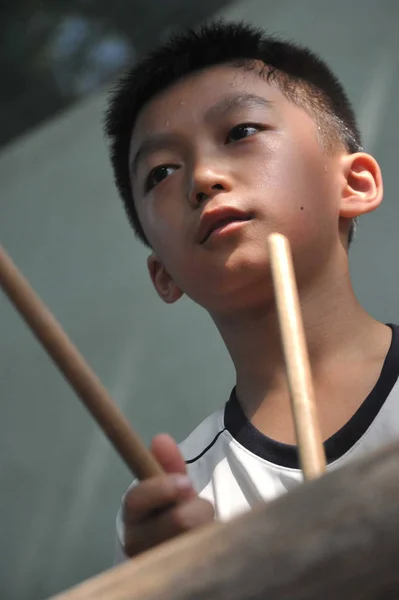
x=182, y=482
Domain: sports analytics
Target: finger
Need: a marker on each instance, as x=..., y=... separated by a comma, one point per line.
x=171, y=523
x=167, y=452
x=155, y=494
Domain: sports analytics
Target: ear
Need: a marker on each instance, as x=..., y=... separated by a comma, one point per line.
x=166, y=288
x=363, y=189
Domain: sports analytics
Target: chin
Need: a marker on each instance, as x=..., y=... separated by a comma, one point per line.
x=232, y=281
x=246, y=259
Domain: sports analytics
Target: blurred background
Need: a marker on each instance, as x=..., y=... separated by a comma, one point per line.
x=61, y=221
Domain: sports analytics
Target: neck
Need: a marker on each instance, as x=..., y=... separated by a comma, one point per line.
x=338, y=331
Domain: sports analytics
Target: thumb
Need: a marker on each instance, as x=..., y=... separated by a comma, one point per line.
x=168, y=454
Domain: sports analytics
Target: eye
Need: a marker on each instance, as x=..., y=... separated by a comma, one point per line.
x=157, y=175
x=242, y=131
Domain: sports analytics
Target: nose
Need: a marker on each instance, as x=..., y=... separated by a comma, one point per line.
x=208, y=181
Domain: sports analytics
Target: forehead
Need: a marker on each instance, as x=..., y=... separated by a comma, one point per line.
x=191, y=98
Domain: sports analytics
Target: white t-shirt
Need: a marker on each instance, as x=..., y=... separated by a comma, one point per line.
x=235, y=466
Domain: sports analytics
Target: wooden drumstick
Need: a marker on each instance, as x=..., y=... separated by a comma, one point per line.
x=309, y=440
x=75, y=369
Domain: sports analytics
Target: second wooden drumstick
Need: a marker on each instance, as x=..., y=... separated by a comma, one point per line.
x=75, y=369
x=309, y=440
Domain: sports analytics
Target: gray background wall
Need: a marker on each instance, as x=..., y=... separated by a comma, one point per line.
x=60, y=482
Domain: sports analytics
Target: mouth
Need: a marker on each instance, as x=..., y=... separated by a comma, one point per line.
x=220, y=221
x=224, y=225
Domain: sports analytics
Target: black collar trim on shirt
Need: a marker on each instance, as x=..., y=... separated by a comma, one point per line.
x=338, y=444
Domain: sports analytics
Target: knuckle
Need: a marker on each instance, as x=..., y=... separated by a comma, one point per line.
x=192, y=514
x=208, y=510
x=180, y=520
x=204, y=512
x=167, y=490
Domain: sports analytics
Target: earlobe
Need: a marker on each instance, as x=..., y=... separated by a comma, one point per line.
x=363, y=188
x=165, y=286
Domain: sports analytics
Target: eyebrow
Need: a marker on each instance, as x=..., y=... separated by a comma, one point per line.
x=229, y=103
x=224, y=106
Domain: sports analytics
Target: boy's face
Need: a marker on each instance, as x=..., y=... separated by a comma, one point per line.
x=219, y=161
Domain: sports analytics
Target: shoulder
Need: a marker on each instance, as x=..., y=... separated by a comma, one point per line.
x=204, y=449
x=198, y=442
x=203, y=437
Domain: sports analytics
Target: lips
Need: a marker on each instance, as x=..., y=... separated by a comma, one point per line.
x=217, y=218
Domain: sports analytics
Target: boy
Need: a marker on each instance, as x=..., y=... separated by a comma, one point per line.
x=219, y=138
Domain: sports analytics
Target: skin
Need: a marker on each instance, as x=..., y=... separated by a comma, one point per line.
x=276, y=171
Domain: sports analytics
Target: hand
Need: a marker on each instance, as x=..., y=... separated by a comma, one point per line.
x=162, y=507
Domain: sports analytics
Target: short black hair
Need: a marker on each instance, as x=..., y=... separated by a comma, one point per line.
x=300, y=74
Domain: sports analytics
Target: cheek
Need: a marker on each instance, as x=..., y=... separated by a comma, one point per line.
x=159, y=222
x=298, y=189
x=167, y=232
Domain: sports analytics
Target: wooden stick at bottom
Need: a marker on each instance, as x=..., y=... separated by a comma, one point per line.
x=75, y=369
x=309, y=440
x=335, y=538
